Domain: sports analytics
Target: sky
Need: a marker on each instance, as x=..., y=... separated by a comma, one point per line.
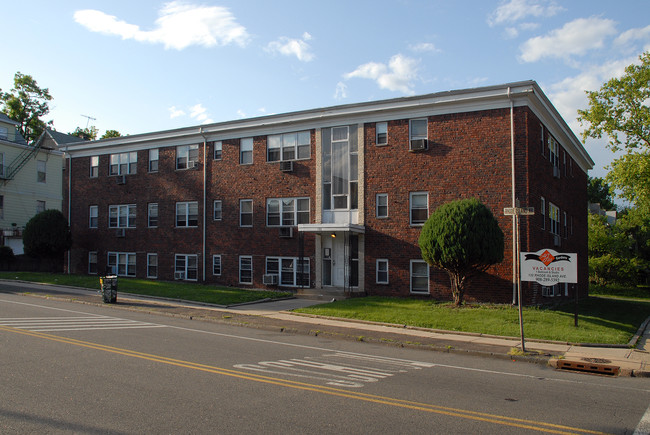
x=146, y=65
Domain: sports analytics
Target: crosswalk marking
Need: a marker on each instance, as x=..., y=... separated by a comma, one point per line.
x=78, y=323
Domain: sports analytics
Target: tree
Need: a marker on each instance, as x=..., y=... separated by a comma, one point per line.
x=463, y=238
x=598, y=191
x=88, y=133
x=26, y=104
x=111, y=133
x=620, y=111
x=47, y=235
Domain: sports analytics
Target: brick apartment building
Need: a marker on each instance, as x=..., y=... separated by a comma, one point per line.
x=331, y=198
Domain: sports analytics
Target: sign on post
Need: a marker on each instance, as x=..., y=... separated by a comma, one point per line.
x=548, y=267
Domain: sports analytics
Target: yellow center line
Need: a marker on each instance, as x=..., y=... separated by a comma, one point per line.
x=454, y=412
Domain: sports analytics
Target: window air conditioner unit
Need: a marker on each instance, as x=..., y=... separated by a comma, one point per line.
x=270, y=279
x=121, y=179
x=418, y=144
x=192, y=164
x=557, y=241
x=179, y=275
x=120, y=232
x=556, y=172
x=286, y=232
x=286, y=166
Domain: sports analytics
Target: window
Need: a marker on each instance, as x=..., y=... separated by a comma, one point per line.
x=541, y=127
x=122, y=263
x=340, y=168
x=382, y=205
x=542, y=209
x=92, y=262
x=40, y=206
x=417, y=130
x=288, y=146
x=121, y=216
x=187, y=214
x=245, y=270
x=419, y=276
x=246, y=151
x=216, y=265
x=246, y=213
x=94, y=167
x=2, y=164
x=419, y=207
x=381, y=129
x=217, y=210
x=152, y=265
x=187, y=156
x=291, y=271
x=124, y=163
x=93, y=216
x=41, y=172
x=152, y=215
x=217, y=150
x=566, y=226
x=186, y=267
x=554, y=152
x=382, y=271
x=2, y=207
x=287, y=212
x=153, y=160
x=4, y=133
x=554, y=218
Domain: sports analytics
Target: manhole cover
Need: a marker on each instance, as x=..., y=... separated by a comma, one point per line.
x=597, y=360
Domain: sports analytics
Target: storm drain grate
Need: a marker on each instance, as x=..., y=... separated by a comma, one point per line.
x=600, y=369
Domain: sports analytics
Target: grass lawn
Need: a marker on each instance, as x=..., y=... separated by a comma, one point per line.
x=174, y=289
x=601, y=320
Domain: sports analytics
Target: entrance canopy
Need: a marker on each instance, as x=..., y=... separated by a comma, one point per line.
x=331, y=228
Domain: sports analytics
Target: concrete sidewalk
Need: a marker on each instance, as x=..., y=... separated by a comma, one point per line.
x=276, y=315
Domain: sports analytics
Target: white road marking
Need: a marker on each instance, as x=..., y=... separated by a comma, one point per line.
x=643, y=428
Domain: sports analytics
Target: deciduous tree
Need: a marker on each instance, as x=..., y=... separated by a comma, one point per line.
x=26, y=104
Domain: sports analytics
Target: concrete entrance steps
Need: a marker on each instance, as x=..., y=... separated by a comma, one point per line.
x=320, y=294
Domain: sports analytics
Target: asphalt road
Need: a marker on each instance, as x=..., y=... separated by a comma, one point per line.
x=73, y=368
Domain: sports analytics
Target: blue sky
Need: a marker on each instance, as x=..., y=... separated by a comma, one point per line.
x=140, y=66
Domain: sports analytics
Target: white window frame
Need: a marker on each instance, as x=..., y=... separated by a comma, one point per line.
x=94, y=167
x=150, y=216
x=92, y=255
x=381, y=133
x=217, y=210
x=242, y=213
x=187, y=156
x=247, y=259
x=289, y=277
x=288, y=146
x=554, y=152
x=93, y=213
x=124, y=216
x=123, y=163
x=125, y=260
x=565, y=230
x=41, y=206
x=379, y=198
x=246, y=151
x=151, y=265
x=191, y=273
x=218, y=146
x=384, y=263
x=412, y=135
x=286, y=217
x=41, y=171
x=184, y=209
x=543, y=212
x=412, y=208
x=554, y=218
x=412, y=277
x=216, y=265
x=154, y=158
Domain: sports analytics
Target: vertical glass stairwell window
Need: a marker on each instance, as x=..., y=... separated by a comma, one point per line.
x=340, y=168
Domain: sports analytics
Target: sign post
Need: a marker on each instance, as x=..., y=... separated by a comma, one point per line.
x=516, y=212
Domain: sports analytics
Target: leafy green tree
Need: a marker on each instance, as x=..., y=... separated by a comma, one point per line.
x=598, y=191
x=47, y=235
x=26, y=104
x=111, y=133
x=88, y=133
x=464, y=239
x=620, y=111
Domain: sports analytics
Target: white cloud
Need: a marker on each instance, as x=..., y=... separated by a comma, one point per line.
x=175, y=113
x=574, y=38
x=341, y=92
x=398, y=75
x=628, y=36
x=516, y=10
x=292, y=47
x=178, y=26
x=241, y=113
x=423, y=47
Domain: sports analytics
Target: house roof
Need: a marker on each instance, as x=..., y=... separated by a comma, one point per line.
x=63, y=138
x=6, y=119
